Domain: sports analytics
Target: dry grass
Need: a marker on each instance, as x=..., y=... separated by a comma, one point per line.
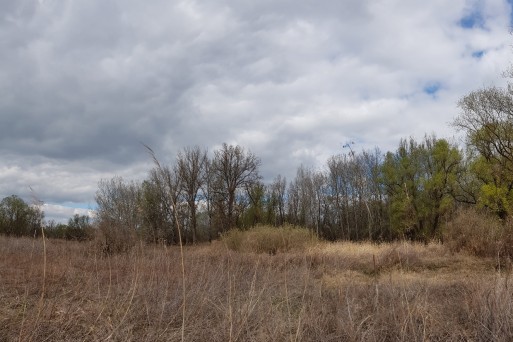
x=268, y=239
x=329, y=292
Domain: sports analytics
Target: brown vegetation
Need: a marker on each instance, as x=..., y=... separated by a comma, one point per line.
x=481, y=234
x=67, y=291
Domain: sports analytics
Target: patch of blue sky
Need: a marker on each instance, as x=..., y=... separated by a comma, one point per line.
x=432, y=88
x=75, y=205
x=510, y=2
x=478, y=54
x=472, y=20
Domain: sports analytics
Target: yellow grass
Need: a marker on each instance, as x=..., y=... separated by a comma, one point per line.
x=325, y=292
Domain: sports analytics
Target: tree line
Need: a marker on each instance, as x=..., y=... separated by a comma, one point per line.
x=407, y=193
x=19, y=218
x=410, y=192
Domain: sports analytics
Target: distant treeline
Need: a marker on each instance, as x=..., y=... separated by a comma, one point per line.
x=18, y=218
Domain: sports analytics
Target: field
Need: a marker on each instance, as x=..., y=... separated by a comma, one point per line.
x=67, y=291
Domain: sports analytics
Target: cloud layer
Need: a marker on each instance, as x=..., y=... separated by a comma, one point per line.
x=83, y=82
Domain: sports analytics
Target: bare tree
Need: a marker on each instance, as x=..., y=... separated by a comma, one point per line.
x=301, y=195
x=191, y=166
x=276, y=201
x=159, y=193
x=170, y=184
x=234, y=170
x=118, y=212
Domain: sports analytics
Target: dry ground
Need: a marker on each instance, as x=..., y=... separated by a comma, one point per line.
x=67, y=291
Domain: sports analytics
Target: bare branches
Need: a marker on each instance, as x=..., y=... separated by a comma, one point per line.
x=233, y=169
x=167, y=177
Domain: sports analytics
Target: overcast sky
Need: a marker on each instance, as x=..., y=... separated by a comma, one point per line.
x=83, y=82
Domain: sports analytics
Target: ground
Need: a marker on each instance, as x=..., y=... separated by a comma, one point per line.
x=67, y=291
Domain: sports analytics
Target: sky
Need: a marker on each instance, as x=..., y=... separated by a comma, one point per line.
x=84, y=82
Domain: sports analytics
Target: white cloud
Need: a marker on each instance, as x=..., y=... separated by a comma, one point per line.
x=61, y=214
x=83, y=82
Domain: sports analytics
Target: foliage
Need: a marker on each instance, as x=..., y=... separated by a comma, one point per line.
x=487, y=120
x=79, y=228
x=254, y=211
x=420, y=180
x=17, y=218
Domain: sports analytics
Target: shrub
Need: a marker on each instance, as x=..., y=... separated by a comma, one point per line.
x=478, y=233
x=111, y=239
x=267, y=239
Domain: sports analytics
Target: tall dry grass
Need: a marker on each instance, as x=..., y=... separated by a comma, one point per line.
x=325, y=292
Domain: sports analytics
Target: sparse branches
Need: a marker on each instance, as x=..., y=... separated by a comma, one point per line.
x=191, y=167
x=118, y=213
x=170, y=182
x=234, y=170
x=277, y=200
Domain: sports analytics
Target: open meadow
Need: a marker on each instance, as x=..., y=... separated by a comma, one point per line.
x=68, y=291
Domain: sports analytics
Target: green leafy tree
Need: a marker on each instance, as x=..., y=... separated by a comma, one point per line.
x=17, y=218
x=420, y=181
x=487, y=120
x=79, y=228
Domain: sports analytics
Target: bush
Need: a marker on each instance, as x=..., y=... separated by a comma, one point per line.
x=111, y=239
x=267, y=239
x=479, y=233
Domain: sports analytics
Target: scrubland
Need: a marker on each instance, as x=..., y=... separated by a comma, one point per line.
x=52, y=290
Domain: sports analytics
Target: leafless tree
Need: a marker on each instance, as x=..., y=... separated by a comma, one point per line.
x=191, y=166
x=301, y=196
x=165, y=185
x=233, y=170
x=277, y=200
x=118, y=212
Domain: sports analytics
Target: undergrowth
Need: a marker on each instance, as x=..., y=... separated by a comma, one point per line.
x=323, y=292
x=267, y=239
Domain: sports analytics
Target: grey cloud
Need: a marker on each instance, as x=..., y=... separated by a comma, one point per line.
x=82, y=83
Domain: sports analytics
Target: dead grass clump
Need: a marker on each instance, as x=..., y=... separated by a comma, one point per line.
x=490, y=309
x=372, y=259
x=267, y=239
